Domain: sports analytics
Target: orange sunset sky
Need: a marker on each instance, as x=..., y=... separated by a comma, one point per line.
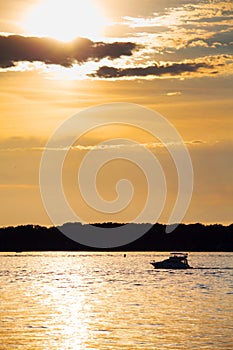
x=59, y=57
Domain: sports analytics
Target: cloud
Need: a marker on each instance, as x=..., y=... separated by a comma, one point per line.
x=197, y=142
x=17, y=186
x=224, y=38
x=155, y=70
x=207, y=65
x=173, y=93
x=30, y=145
x=17, y=48
x=189, y=30
x=198, y=42
x=21, y=143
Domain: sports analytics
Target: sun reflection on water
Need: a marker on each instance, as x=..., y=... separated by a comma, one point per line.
x=105, y=301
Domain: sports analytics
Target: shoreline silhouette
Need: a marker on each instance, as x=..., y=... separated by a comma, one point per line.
x=186, y=237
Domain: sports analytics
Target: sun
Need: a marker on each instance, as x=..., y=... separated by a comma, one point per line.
x=65, y=20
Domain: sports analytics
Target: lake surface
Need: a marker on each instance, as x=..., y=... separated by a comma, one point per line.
x=105, y=301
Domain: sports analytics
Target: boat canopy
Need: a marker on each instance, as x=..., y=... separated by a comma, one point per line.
x=179, y=254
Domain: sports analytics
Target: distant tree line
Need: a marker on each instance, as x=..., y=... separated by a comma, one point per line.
x=192, y=237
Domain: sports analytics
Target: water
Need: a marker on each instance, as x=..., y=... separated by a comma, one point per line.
x=105, y=301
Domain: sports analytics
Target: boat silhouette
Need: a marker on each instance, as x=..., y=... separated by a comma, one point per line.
x=175, y=261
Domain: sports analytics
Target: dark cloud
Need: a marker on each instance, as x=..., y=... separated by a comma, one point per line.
x=194, y=142
x=214, y=19
x=222, y=38
x=156, y=70
x=15, y=48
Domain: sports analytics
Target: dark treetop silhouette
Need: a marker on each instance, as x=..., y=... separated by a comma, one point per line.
x=192, y=237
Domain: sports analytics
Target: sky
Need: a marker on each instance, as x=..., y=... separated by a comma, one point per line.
x=174, y=57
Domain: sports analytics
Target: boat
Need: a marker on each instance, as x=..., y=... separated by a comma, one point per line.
x=175, y=261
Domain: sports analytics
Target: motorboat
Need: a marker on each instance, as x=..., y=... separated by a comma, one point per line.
x=175, y=261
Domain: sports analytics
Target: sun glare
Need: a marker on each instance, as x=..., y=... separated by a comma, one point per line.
x=65, y=20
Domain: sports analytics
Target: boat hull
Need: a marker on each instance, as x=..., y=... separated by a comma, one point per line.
x=167, y=264
x=175, y=261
